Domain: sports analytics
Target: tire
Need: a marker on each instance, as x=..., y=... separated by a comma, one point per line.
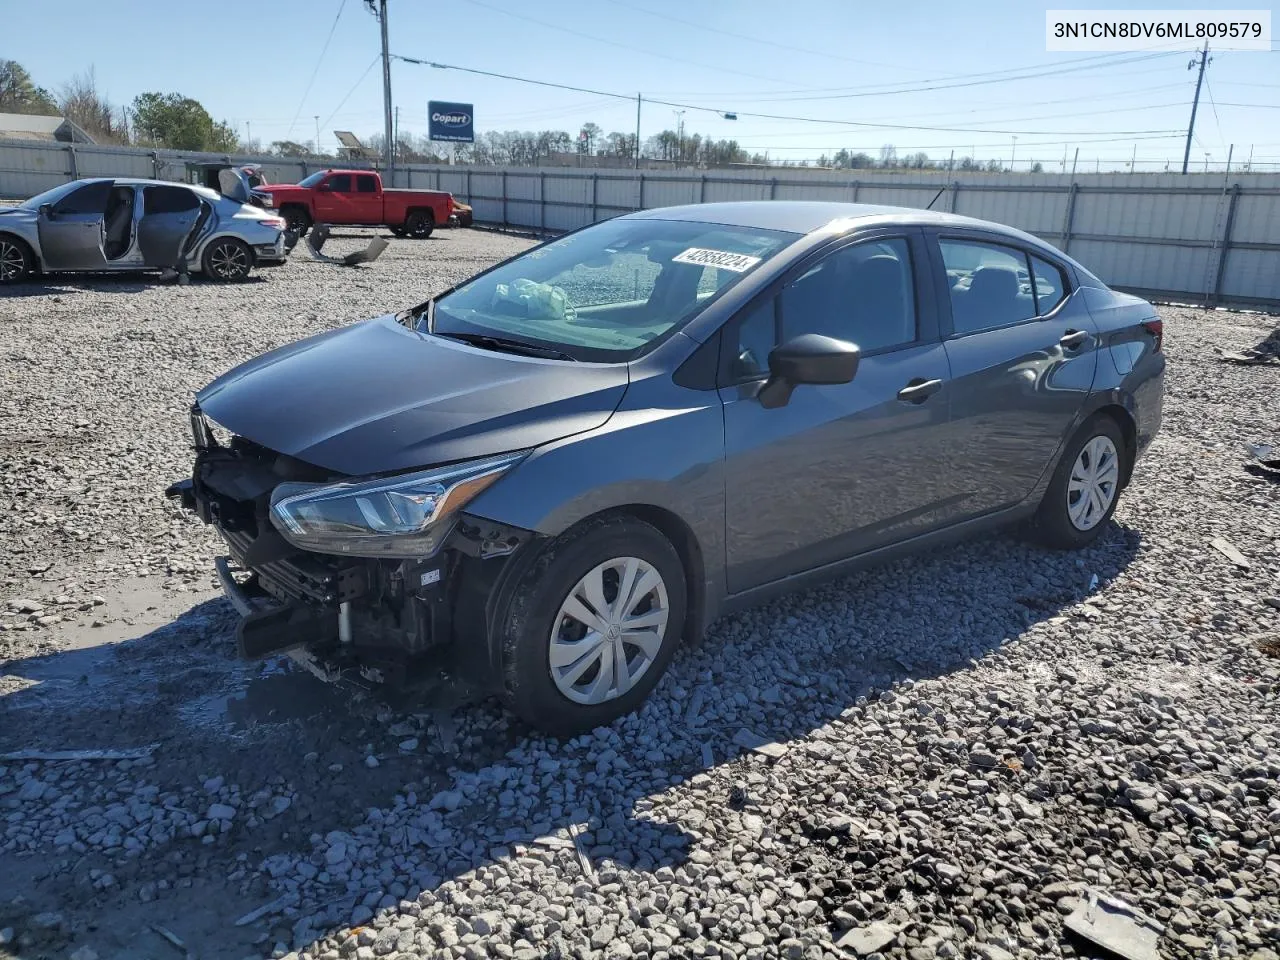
x=296, y=219
x=1094, y=460
x=534, y=622
x=17, y=263
x=227, y=258
x=420, y=224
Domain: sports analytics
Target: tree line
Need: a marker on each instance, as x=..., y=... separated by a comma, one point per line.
x=182, y=123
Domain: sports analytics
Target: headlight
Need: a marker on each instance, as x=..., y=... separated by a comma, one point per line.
x=404, y=516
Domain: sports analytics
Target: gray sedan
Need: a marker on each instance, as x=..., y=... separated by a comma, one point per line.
x=546, y=478
x=106, y=225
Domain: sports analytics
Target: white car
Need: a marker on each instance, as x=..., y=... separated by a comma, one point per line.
x=107, y=225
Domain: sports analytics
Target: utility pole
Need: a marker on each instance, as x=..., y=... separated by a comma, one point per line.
x=679, y=134
x=316, y=117
x=1074, y=160
x=637, y=131
x=1013, y=154
x=397, y=131
x=248, y=135
x=379, y=9
x=1230, y=150
x=1133, y=160
x=1205, y=60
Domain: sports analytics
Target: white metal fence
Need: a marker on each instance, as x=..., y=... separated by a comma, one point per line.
x=1210, y=238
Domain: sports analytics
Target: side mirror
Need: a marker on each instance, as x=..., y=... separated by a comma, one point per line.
x=325, y=187
x=46, y=211
x=810, y=358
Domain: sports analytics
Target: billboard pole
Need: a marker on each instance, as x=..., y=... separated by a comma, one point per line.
x=637, y=131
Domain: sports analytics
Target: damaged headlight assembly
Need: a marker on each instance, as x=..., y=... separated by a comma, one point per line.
x=404, y=516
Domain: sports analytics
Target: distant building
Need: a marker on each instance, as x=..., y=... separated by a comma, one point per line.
x=22, y=126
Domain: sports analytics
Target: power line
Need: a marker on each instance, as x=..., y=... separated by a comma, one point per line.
x=342, y=103
x=742, y=113
x=623, y=46
x=315, y=70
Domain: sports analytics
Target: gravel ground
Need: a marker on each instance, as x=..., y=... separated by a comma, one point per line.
x=966, y=743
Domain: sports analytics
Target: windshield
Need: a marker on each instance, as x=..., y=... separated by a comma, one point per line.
x=312, y=180
x=50, y=196
x=608, y=292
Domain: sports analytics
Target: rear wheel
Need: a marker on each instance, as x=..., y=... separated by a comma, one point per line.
x=420, y=224
x=296, y=220
x=1085, y=488
x=227, y=259
x=592, y=625
x=16, y=260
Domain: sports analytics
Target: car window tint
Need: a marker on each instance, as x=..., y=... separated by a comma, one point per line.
x=990, y=285
x=168, y=200
x=756, y=337
x=864, y=294
x=1050, y=285
x=91, y=198
x=341, y=183
x=365, y=184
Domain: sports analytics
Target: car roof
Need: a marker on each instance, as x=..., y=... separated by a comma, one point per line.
x=140, y=182
x=810, y=216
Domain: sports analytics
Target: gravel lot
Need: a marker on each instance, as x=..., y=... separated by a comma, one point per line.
x=969, y=741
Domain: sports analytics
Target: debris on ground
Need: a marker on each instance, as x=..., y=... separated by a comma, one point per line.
x=1115, y=926
x=1268, y=351
x=1228, y=550
x=70, y=755
x=758, y=744
x=320, y=234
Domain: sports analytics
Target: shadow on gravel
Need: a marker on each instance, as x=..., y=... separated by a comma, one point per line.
x=58, y=285
x=323, y=803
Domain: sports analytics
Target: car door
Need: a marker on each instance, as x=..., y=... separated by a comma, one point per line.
x=169, y=214
x=334, y=200
x=1022, y=349
x=367, y=199
x=838, y=470
x=71, y=230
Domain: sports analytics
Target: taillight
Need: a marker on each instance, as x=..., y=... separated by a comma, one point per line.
x=1156, y=329
x=277, y=222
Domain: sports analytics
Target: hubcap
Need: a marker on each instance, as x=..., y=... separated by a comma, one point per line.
x=228, y=260
x=609, y=630
x=1094, y=479
x=12, y=261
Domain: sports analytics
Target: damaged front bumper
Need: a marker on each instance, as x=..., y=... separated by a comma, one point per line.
x=386, y=620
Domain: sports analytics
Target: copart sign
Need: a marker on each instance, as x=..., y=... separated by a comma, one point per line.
x=451, y=121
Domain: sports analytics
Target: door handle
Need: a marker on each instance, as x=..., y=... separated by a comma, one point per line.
x=1073, y=339
x=919, y=390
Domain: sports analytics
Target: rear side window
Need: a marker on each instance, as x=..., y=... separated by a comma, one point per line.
x=168, y=200
x=990, y=285
x=341, y=183
x=91, y=198
x=366, y=184
x=1049, y=284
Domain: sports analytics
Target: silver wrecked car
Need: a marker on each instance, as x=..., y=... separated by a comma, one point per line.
x=107, y=225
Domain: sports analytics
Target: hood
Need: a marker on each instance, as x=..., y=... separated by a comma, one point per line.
x=377, y=397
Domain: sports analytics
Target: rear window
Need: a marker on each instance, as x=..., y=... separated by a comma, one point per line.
x=366, y=185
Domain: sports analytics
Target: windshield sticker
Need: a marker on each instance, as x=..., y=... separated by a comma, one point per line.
x=721, y=259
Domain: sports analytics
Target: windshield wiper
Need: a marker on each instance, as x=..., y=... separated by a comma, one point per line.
x=506, y=345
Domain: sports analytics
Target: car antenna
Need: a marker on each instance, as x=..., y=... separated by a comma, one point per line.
x=935, y=198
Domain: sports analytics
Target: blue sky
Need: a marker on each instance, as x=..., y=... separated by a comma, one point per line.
x=800, y=58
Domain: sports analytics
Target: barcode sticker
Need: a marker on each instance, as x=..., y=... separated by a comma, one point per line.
x=721, y=259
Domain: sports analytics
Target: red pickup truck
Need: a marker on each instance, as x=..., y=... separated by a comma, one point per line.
x=356, y=197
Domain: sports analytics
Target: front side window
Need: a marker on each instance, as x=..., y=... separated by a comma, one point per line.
x=90, y=198
x=608, y=292
x=990, y=285
x=341, y=183
x=864, y=294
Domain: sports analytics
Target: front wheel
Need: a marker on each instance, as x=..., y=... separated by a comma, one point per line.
x=419, y=224
x=592, y=625
x=16, y=260
x=1085, y=488
x=227, y=259
x=296, y=220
